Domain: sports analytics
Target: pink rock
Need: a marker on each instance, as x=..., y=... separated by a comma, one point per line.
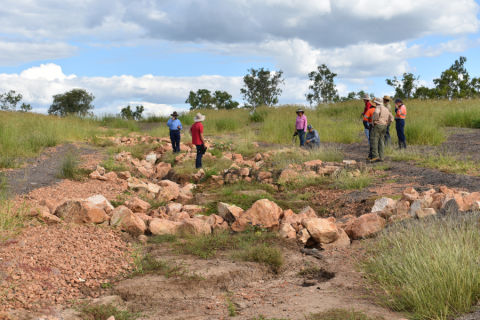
x=365, y=226
x=264, y=213
x=124, y=219
x=322, y=230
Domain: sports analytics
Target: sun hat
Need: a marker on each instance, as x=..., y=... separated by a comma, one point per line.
x=174, y=114
x=366, y=97
x=199, y=117
x=378, y=101
x=299, y=110
x=387, y=98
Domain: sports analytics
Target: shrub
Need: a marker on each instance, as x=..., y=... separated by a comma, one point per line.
x=257, y=116
x=428, y=268
x=102, y=312
x=262, y=253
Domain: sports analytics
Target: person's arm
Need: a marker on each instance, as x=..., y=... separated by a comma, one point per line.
x=169, y=122
x=316, y=139
x=305, y=123
x=201, y=134
x=180, y=127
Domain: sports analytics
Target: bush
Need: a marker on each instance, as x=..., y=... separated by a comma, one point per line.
x=257, y=116
x=262, y=253
x=428, y=268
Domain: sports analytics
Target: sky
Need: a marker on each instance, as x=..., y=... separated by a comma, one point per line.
x=153, y=52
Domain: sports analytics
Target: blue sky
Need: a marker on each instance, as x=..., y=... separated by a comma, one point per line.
x=155, y=51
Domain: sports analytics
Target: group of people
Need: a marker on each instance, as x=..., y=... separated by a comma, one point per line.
x=377, y=119
x=196, y=130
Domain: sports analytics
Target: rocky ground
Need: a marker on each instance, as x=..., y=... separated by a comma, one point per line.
x=82, y=237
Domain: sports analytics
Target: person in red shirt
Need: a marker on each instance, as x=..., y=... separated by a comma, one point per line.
x=366, y=125
x=197, y=138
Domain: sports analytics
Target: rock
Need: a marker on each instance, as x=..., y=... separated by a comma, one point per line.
x=111, y=176
x=438, y=200
x=162, y=169
x=193, y=209
x=199, y=175
x=475, y=206
x=313, y=165
x=95, y=175
x=264, y=175
x=195, y=226
x=49, y=218
x=470, y=200
x=402, y=207
x=343, y=241
x=258, y=157
x=112, y=300
x=151, y=158
x=328, y=170
x=146, y=172
x=287, y=231
x=179, y=216
x=153, y=188
x=169, y=191
x=101, y=170
x=174, y=207
x=50, y=204
x=124, y=175
x=416, y=206
x=307, y=212
x=349, y=162
x=244, y=172
x=446, y=191
x=426, y=212
x=263, y=213
x=410, y=194
x=111, y=318
x=384, y=204
x=163, y=226
x=303, y=236
x=217, y=223
x=295, y=220
x=74, y=211
x=138, y=205
x=450, y=207
x=137, y=184
x=288, y=175
x=142, y=238
x=365, y=226
x=124, y=219
x=102, y=202
x=229, y=212
x=321, y=230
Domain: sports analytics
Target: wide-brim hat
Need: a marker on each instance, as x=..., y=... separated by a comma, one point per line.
x=174, y=114
x=387, y=98
x=366, y=97
x=378, y=101
x=300, y=110
x=199, y=117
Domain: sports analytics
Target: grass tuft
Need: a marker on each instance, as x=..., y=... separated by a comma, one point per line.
x=341, y=314
x=70, y=168
x=428, y=268
x=264, y=254
x=103, y=312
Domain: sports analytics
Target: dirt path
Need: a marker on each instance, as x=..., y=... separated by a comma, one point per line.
x=43, y=170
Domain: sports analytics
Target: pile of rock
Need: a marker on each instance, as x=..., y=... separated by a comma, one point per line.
x=414, y=204
x=101, y=174
x=137, y=139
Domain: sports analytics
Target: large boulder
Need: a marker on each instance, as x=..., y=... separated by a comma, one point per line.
x=76, y=211
x=343, y=241
x=384, y=205
x=264, y=213
x=186, y=195
x=101, y=202
x=229, y=212
x=195, y=226
x=322, y=230
x=174, y=207
x=169, y=190
x=217, y=223
x=313, y=165
x=286, y=231
x=138, y=205
x=124, y=219
x=470, y=200
x=365, y=226
x=288, y=175
x=303, y=236
x=162, y=169
x=163, y=226
x=410, y=194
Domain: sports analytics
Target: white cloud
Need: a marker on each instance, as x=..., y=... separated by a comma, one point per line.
x=17, y=52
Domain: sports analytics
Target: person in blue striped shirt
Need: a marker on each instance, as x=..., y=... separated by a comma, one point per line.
x=175, y=126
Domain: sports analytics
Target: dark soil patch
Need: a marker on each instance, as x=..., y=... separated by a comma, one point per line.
x=463, y=141
x=43, y=170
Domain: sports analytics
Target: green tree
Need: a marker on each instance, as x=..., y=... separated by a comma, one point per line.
x=9, y=100
x=25, y=107
x=322, y=89
x=404, y=88
x=129, y=114
x=223, y=100
x=262, y=87
x=454, y=83
x=202, y=99
x=74, y=102
x=424, y=93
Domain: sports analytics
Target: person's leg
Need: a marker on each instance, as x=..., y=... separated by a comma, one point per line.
x=402, y=137
x=370, y=146
x=177, y=140
x=397, y=128
x=374, y=140
x=198, y=160
x=172, y=139
x=387, y=136
x=366, y=129
x=301, y=135
x=381, y=143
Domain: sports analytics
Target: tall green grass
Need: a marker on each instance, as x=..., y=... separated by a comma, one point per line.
x=464, y=118
x=428, y=268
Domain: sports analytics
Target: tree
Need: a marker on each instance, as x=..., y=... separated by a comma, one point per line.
x=262, y=87
x=202, y=99
x=25, y=107
x=9, y=100
x=129, y=114
x=223, y=100
x=74, y=102
x=454, y=83
x=405, y=88
x=323, y=88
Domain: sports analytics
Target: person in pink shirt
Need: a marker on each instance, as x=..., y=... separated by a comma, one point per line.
x=301, y=126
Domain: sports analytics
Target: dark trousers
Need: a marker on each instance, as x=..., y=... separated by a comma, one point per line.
x=400, y=126
x=301, y=135
x=370, y=147
x=388, y=139
x=175, y=138
x=200, y=152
